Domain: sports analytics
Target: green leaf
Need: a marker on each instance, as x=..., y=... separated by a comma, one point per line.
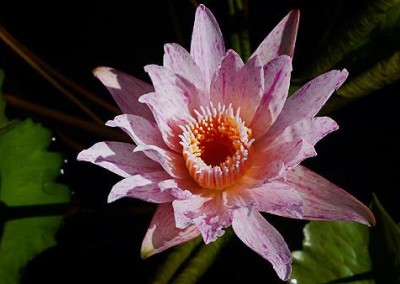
x=385, y=246
x=27, y=174
x=332, y=251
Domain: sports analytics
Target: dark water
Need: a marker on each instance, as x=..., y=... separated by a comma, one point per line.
x=100, y=242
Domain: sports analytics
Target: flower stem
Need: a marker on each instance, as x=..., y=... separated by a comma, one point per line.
x=63, y=118
x=174, y=260
x=240, y=37
x=35, y=64
x=202, y=260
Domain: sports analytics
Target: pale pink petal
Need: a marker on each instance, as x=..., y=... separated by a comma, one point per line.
x=171, y=162
x=179, y=61
x=275, y=197
x=207, y=46
x=310, y=129
x=276, y=86
x=163, y=234
x=281, y=40
x=264, y=239
x=208, y=214
x=125, y=90
x=142, y=186
x=141, y=130
x=182, y=188
x=188, y=209
x=169, y=114
x=324, y=200
x=250, y=86
x=309, y=99
x=272, y=163
x=223, y=87
x=119, y=158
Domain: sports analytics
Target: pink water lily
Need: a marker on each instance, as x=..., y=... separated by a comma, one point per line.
x=218, y=143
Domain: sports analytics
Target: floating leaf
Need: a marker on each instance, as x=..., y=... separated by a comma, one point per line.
x=27, y=174
x=385, y=246
x=332, y=251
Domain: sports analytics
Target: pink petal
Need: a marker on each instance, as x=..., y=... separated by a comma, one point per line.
x=171, y=162
x=281, y=39
x=141, y=130
x=207, y=46
x=118, y=158
x=208, y=214
x=142, y=186
x=324, y=200
x=309, y=99
x=163, y=234
x=277, y=81
x=264, y=239
x=179, y=61
x=275, y=198
x=272, y=163
x=169, y=115
x=181, y=188
x=310, y=129
x=170, y=104
x=223, y=85
x=125, y=90
x=250, y=88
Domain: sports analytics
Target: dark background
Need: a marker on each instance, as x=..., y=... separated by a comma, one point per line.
x=99, y=242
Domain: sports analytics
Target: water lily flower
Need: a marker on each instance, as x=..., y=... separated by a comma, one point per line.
x=218, y=143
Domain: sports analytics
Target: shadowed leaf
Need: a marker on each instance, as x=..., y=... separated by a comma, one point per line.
x=385, y=246
x=332, y=251
x=27, y=174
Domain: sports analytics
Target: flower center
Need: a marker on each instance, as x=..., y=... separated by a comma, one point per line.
x=216, y=146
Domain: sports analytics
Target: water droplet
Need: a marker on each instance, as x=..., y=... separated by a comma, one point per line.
x=53, y=139
x=61, y=171
x=65, y=161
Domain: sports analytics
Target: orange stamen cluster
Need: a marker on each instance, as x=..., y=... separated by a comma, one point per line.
x=216, y=147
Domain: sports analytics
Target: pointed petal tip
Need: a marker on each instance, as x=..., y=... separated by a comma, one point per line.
x=98, y=71
x=295, y=14
x=107, y=77
x=284, y=271
x=371, y=221
x=146, y=252
x=202, y=7
x=81, y=156
x=113, y=197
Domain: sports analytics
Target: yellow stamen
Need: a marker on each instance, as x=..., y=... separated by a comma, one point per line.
x=216, y=146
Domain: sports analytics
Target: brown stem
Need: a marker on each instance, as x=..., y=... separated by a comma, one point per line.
x=6, y=37
x=64, y=118
x=89, y=95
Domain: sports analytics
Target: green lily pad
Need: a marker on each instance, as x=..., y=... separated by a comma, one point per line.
x=27, y=175
x=385, y=246
x=333, y=252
